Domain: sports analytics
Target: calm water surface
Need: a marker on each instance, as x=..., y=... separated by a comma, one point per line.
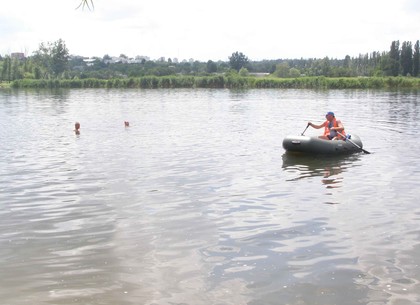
x=197, y=203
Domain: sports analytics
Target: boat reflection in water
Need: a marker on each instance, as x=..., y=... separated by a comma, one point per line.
x=330, y=168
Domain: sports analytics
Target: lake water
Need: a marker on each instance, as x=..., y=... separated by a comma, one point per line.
x=197, y=203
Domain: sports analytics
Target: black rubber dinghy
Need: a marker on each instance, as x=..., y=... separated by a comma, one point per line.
x=315, y=145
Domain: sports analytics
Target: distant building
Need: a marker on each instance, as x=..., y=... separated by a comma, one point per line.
x=259, y=74
x=17, y=55
x=89, y=61
x=141, y=57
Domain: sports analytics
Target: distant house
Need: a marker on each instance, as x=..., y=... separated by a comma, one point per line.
x=258, y=74
x=89, y=61
x=17, y=55
x=125, y=60
x=140, y=58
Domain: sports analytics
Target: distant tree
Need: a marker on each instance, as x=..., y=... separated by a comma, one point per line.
x=211, y=67
x=244, y=72
x=16, y=72
x=222, y=66
x=197, y=67
x=5, y=69
x=53, y=57
x=325, y=66
x=385, y=65
x=98, y=64
x=394, y=59
x=406, y=58
x=347, y=61
x=238, y=60
x=416, y=59
x=9, y=69
x=185, y=68
x=293, y=72
x=282, y=70
x=37, y=72
x=374, y=64
x=42, y=59
x=60, y=57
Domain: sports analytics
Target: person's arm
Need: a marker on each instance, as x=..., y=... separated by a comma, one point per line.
x=316, y=126
x=339, y=128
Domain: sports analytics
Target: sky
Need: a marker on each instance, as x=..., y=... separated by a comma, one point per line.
x=210, y=30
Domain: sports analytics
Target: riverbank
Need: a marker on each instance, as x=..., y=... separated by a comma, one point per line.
x=222, y=81
x=4, y=85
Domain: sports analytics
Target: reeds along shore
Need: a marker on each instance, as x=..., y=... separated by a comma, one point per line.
x=229, y=82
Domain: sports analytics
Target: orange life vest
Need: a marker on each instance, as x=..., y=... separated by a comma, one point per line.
x=331, y=124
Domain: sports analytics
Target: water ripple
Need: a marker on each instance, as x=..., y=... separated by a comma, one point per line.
x=197, y=203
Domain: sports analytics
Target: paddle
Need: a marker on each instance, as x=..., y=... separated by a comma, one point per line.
x=347, y=139
x=305, y=129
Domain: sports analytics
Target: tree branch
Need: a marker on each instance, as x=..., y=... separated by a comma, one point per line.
x=86, y=3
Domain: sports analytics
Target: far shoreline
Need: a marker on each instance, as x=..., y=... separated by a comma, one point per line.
x=222, y=82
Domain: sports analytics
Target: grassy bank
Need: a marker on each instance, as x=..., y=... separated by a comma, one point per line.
x=5, y=85
x=221, y=81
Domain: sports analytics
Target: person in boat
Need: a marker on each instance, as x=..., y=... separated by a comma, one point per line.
x=333, y=128
x=77, y=128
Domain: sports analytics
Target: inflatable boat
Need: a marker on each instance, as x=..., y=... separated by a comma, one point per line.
x=315, y=145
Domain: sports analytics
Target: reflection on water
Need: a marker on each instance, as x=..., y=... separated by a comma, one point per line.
x=301, y=166
x=197, y=203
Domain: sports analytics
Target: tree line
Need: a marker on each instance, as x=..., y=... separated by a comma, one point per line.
x=52, y=61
